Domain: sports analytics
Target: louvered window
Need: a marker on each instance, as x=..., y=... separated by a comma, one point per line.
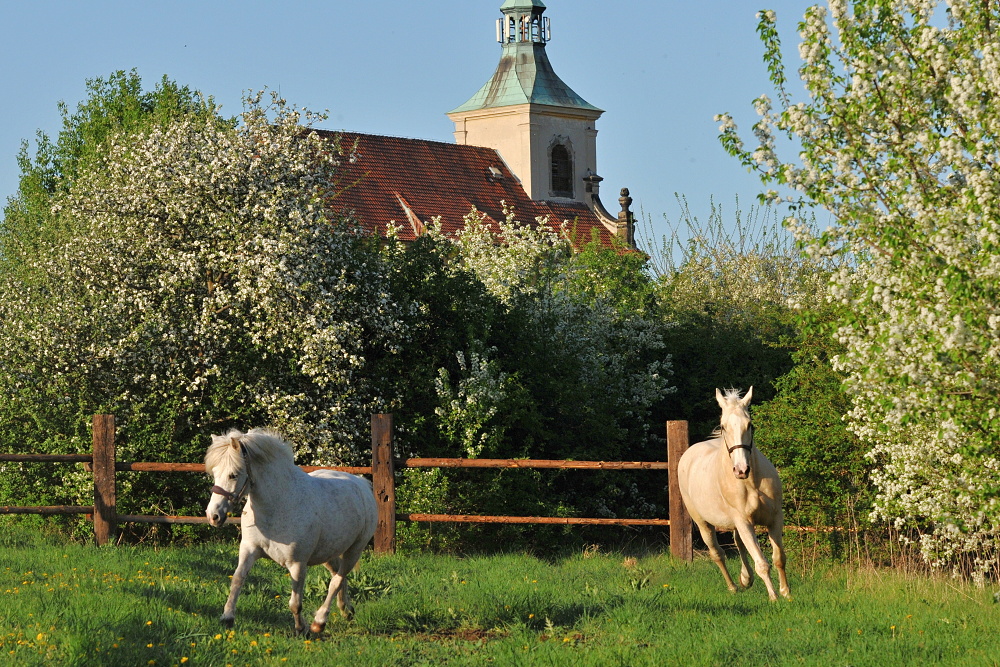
x=562, y=172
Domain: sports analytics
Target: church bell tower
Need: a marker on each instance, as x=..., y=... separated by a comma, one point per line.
x=543, y=130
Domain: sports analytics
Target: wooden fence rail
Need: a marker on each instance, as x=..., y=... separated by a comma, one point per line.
x=103, y=464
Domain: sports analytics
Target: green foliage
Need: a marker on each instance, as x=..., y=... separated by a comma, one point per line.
x=449, y=317
x=824, y=474
x=730, y=289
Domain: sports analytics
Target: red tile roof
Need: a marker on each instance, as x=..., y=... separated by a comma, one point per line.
x=411, y=181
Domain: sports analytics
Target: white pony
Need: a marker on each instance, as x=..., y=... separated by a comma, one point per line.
x=293, y=518
x=728, y=484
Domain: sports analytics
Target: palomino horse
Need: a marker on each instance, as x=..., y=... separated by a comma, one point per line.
x=295, y=519
x=728, y=484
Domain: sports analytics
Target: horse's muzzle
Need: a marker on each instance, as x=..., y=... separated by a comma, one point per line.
x=741, y=473
x=216, y=516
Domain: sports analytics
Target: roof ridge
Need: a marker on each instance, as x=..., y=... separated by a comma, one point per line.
x=396, y=136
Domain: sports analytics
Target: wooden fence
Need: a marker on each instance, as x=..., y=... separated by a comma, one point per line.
x=102, y=462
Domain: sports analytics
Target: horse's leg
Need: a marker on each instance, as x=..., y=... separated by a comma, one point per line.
x=319, y=621
x=712, y=542
x=248, y=555
x=348, y=560
x=774, y=533
x=746, y=531
x=298, y=572
x=746, y=574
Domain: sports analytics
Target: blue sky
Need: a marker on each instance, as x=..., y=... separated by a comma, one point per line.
x=661, y=69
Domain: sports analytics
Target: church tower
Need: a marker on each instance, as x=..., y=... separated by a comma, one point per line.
x=543, y=130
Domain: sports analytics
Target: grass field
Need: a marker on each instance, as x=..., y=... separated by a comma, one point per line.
x=72, y=604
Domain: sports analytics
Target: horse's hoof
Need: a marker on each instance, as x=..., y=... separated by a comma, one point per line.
x=317, y=628
x=227, y=622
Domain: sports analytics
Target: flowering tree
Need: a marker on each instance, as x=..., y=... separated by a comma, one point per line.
x=611, y=360
x=197, y=282
x=899, y=140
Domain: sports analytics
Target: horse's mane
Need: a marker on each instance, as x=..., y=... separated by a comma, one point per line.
x=263, y=445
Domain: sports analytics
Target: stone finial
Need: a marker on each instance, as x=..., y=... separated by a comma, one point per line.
x=626, y=220
x=625, y=201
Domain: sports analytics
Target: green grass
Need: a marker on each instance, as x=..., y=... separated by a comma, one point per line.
x=71, y=604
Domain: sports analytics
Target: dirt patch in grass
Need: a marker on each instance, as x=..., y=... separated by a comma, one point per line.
x=460, y=634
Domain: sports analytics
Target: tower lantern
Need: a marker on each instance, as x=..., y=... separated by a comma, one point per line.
x=523, y=22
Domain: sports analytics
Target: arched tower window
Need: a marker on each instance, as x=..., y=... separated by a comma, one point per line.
x=562, y=171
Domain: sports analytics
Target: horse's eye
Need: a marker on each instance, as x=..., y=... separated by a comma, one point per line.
x=233, y=476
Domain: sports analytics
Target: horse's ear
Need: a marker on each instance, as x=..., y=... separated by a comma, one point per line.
x=235, y=442
x=745, y=401
x=720, y=398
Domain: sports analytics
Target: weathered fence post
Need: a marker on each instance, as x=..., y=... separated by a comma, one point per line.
x=105, y=510
x=681, y=545
x=384, y=483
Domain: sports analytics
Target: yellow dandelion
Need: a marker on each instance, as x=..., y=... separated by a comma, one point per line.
x=184, y=659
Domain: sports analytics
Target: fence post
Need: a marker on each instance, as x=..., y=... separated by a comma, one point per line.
x=105, y=509
x=681, y=545
x=384, y=483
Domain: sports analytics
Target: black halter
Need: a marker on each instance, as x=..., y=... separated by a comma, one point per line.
x=235, y=496
x=739, y=446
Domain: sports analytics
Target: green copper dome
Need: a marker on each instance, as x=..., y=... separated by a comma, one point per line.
x=521, y=4
x=524, y=75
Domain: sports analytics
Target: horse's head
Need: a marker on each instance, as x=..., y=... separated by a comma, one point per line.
x=228, y=462
x=736, y=429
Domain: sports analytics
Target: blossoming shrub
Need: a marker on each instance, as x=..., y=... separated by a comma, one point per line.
x=898, y=137
x=194, y=283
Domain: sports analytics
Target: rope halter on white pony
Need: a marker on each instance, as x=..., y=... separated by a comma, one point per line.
x=236, y=495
